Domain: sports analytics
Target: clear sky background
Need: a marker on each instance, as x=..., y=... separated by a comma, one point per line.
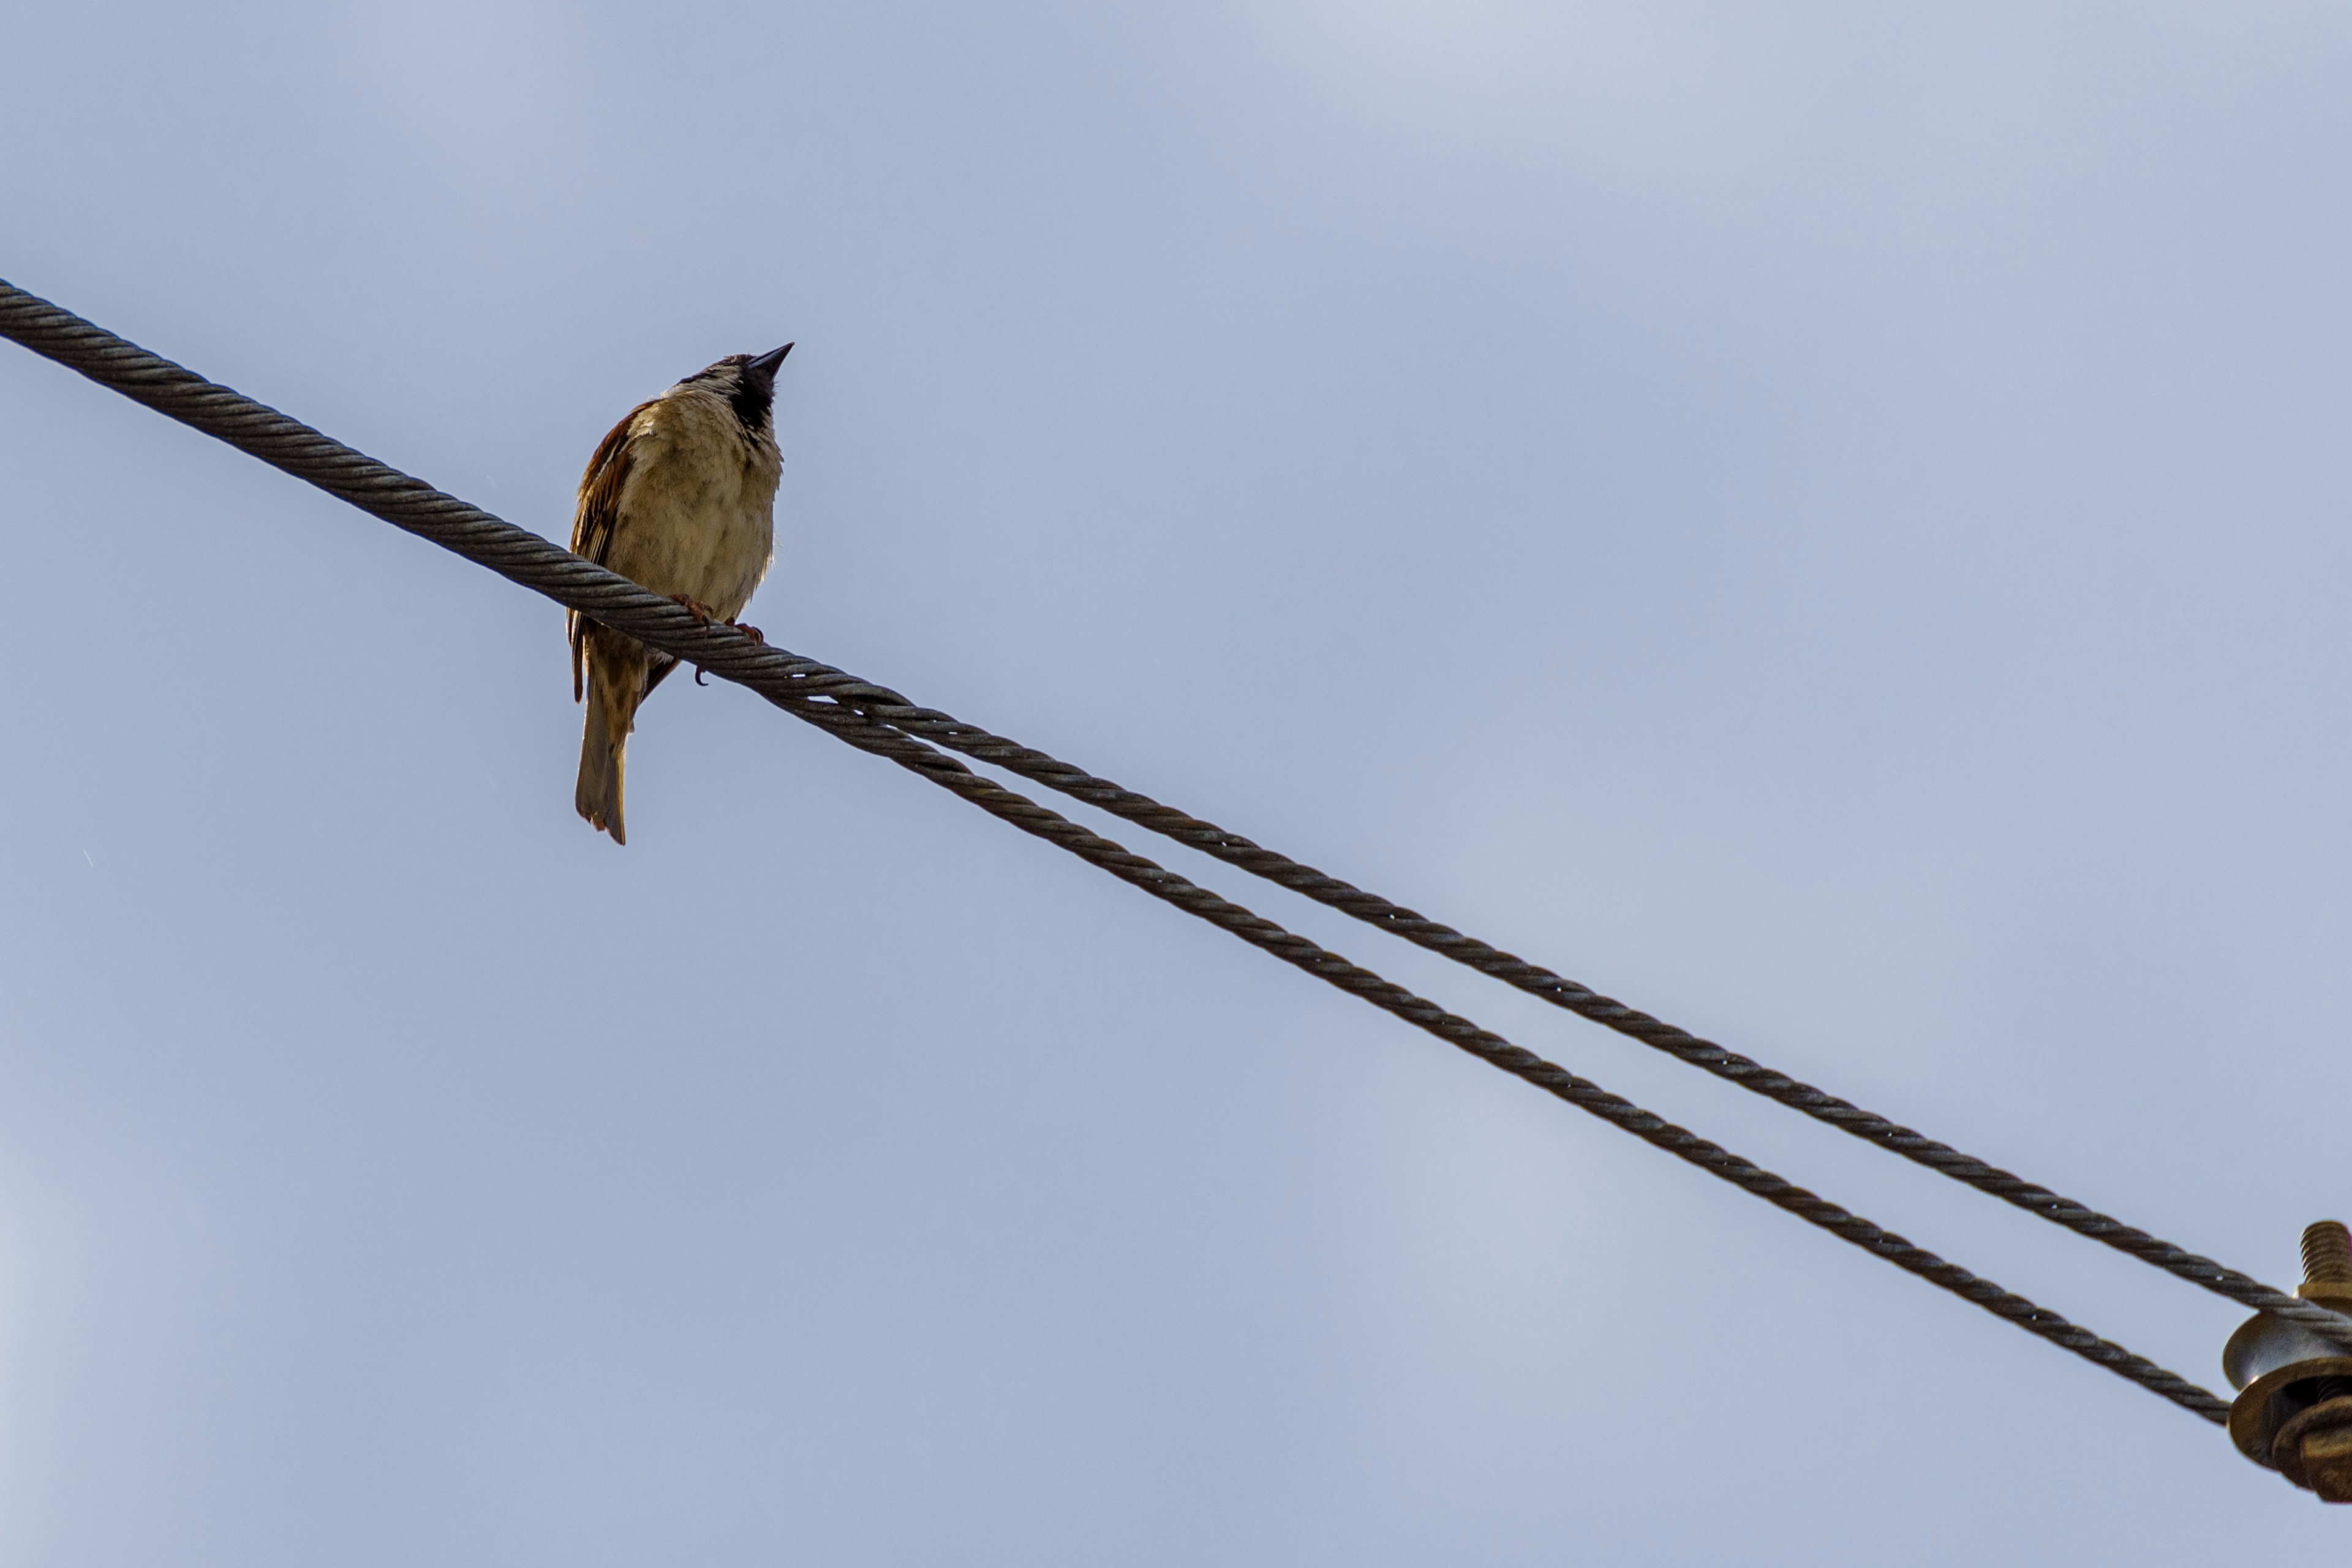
x=1825, y=520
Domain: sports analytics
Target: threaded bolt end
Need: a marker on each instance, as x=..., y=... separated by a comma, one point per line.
x=2328, y=1254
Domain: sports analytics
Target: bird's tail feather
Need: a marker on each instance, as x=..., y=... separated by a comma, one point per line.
x=604, y=752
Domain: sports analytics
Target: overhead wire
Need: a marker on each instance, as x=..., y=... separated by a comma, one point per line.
x=880, y=720
x=1878, y=1130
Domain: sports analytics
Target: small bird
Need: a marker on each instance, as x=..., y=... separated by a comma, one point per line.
x=679, y=498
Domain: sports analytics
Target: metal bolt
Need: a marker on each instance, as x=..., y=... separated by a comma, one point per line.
x=2294, y=1411
x=2328, y=1253
x=2321, y=1438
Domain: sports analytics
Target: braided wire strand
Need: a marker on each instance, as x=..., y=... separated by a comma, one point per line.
x=877, y=719
x=1567, y=995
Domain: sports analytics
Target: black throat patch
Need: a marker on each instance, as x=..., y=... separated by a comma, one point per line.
x=750, y=396
x=752, y=401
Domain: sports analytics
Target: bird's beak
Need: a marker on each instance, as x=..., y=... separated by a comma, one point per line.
x=764, y=367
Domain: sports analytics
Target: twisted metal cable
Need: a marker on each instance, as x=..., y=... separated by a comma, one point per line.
x=876, y=720
x=1567, y=995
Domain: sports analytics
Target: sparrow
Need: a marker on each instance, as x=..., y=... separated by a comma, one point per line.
x=679, y=498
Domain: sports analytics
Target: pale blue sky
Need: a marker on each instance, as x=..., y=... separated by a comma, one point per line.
x=1823, y=520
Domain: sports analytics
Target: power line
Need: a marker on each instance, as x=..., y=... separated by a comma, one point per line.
x=877, y=719
x=1560, y=992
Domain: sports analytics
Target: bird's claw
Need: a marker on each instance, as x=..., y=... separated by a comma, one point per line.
x=709, y=618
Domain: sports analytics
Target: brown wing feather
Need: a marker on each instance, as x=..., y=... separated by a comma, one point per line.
x=592, y=524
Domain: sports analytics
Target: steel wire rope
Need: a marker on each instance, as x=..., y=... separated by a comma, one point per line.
x=1381, y=914
x=867, y=716
x=1872, y=1128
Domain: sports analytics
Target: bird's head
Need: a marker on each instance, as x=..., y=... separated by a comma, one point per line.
x=746, y=381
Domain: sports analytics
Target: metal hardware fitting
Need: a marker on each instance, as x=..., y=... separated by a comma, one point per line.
x=2294, y=1409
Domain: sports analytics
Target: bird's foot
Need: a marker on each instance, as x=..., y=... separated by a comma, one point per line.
x=749, y=630
x=697, y=608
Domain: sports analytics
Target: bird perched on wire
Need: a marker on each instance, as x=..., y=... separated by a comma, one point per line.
x=679, y=498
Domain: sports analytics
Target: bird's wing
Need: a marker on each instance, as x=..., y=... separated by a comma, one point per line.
x=657, y=668
x=600, y=509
